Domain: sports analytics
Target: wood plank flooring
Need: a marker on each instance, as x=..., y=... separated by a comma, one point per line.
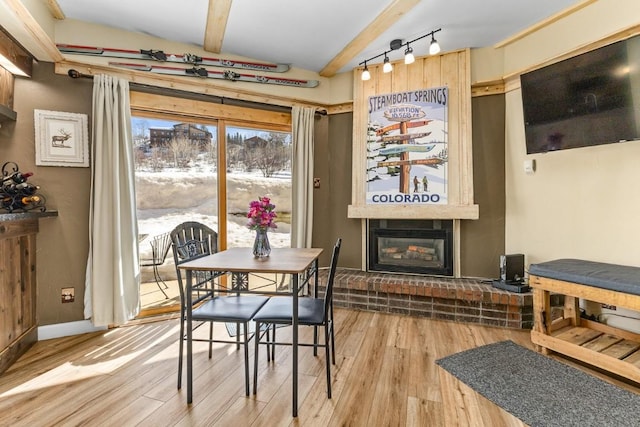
x=385, y=375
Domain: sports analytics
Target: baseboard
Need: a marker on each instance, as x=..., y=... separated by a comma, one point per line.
x=59, y=330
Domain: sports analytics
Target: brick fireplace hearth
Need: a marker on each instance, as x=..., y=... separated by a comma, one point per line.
x=459, y=300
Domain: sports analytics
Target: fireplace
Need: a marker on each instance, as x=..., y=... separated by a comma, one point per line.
x=411, y=246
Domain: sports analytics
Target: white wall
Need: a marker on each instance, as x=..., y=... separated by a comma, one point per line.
x=580, y=203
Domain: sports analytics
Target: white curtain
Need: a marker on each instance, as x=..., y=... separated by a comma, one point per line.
x=302, y=175
x=113, y=274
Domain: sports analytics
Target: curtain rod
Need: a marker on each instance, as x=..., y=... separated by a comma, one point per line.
x=74, y=74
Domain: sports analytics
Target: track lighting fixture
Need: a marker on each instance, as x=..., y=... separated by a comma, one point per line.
x=434, y=48
x=387, y=67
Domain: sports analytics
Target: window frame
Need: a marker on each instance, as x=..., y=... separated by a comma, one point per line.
x=156, y=106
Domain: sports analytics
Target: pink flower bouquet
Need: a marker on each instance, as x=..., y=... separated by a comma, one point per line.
x=261, y=214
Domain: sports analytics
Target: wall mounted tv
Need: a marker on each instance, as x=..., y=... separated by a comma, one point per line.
x=590, y=99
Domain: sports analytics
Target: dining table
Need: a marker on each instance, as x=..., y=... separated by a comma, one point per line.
x=300, y=263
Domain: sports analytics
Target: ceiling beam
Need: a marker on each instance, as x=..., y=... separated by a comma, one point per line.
x=55, y=9
x=39, y=44
x=388, y=17
x=216, y=25
x=19, y=60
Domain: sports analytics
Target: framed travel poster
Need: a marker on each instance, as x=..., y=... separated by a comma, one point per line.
x=407, y=148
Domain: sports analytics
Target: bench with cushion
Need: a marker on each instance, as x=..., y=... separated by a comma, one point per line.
x=608, y=348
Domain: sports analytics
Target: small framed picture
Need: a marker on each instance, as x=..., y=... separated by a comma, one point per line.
x=62, y=139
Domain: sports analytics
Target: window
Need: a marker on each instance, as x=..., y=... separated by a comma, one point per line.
x=258, y=164
x=178, y=156
x=176, y=174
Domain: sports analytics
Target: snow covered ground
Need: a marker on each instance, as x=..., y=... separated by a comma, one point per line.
x=172, y=196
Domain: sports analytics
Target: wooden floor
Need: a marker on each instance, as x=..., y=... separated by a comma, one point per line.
x=385, y=375
x=152, y=300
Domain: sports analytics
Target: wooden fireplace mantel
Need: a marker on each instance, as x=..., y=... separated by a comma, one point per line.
x=414, y=211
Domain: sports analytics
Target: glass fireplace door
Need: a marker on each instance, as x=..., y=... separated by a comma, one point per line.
x=411, y=251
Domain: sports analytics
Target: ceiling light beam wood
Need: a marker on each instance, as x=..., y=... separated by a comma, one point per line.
x=396, y=10
x=216, y=25
x=56, y=10
x=46, y=48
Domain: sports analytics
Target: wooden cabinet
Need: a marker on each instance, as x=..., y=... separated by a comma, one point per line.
x=18, y=317
x=6, y=96
x=22, y=61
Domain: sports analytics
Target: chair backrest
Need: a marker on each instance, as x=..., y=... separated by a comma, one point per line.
x=192, y=240
x=328, y=293
x=160, y=246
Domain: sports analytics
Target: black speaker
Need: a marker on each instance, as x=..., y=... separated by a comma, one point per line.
x=512, y=268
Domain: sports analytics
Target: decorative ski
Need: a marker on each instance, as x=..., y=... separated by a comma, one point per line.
x=158, y=55
x=225, y=75
x=403, y=137
x=406, y=148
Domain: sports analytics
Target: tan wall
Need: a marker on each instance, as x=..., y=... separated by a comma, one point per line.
x=62, y=243
x=487, y=64
x=583, y=202
x=70, y=31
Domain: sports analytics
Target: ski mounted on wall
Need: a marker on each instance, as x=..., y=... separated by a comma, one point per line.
x=224, y=75
x=158, y=55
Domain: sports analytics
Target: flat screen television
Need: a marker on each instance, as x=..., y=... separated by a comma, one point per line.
x=590, y=99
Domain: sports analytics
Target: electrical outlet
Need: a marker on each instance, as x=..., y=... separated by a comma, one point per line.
x=316, y=182
x=68, y=295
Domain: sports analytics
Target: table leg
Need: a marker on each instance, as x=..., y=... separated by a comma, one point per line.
x=316, y=275
x=189, y=337
x=315, y=295
x=295, y=345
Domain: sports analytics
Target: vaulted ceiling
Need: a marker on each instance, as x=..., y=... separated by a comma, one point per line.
x=327, y=37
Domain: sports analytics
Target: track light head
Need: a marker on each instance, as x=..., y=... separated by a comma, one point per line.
x=366, y=75
x=408, y=55
x=387, y=67
x=434, y=46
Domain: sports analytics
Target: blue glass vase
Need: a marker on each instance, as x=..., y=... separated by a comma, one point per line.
x=261, y=246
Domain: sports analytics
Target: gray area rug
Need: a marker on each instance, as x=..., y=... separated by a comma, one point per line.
x=540, y=390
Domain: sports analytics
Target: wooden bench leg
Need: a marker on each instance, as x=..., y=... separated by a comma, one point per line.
x=572, y=310
x=541, y=315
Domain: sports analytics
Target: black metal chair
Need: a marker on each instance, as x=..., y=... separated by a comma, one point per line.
x=312, y=311
x=160, y=246
x=192, y=240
